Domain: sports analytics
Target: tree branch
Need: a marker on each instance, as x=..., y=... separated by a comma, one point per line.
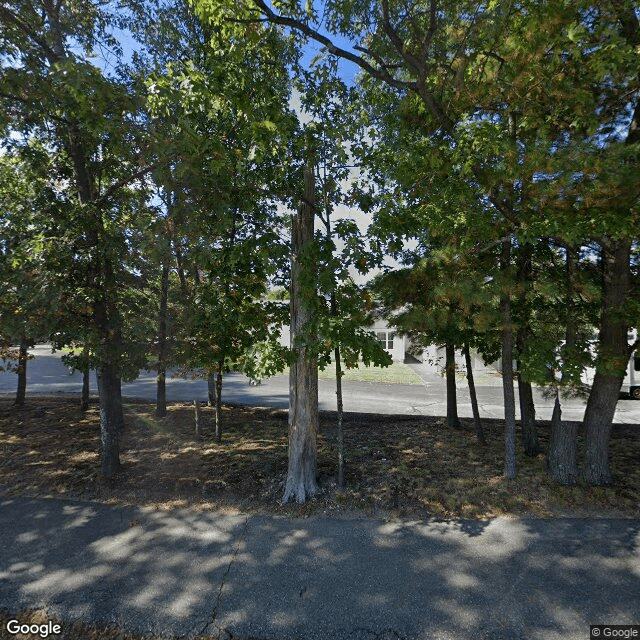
x=396, y=41
x=379, y=73
x=7, y=16
x=431, y=31
x=628, y=21
x=33, y=105
x=123, y=182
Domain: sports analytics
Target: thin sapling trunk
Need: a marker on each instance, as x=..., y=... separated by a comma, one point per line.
x=161, y=389
x=196, y=418
x=450, y=370
x=472, y=394
x=218, y=402
x=84, y=398
x=339, y=434
x=510, y=470
x=23, y=357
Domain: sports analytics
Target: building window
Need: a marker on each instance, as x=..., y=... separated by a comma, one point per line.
x=385, y=338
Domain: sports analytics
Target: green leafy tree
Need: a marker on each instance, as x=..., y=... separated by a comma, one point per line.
x=479, y=77
x=87, y=123
x=23, y=312
x=222, y=127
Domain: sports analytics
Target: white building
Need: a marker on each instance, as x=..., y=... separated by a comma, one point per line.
x=400, y=349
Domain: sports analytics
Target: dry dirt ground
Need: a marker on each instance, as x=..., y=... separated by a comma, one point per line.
x=396, y=467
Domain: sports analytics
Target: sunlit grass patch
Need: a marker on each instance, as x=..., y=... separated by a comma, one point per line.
x=396, y=373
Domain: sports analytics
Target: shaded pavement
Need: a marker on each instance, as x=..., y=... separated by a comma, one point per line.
x=185, y=573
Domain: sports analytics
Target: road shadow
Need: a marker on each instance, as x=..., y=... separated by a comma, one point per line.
x=184, y=573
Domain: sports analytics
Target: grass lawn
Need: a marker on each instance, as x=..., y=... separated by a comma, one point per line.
x=397, y=373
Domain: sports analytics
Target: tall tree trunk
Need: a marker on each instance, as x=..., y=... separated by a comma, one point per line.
x=161, y=390
x=339, y=435
x=450, y=371
x=105, y=314
x=613, y=356
x=303, y=375
x=510, y=470
x=218, y=403
x=562, y=459
x=472, y=394
x=110, y=416
x=23, y=358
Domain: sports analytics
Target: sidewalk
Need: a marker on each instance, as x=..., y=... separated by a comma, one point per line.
x=185, y=573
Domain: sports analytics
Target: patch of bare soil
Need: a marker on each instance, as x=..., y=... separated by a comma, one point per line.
x=404, y=467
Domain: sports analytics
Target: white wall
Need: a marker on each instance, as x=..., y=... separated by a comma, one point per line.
x=399, y=342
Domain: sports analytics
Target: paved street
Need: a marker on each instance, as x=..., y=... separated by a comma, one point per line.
x=186, y=573
x=46, y=374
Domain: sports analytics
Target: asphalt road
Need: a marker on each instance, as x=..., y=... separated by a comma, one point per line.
x=186, y=573
x=47, y=374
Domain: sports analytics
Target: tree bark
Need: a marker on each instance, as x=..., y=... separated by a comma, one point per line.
x=303, y=375
x=563, y=449
x=613, y=356
x=218, y=403
x=161, y=393
x=530, y=442
x=110, y=417
x=562, y=459
x=450, y=371
x=472, y=394
x=23, y=358
x=161, y=390
x=211, y=389
x=510, y=470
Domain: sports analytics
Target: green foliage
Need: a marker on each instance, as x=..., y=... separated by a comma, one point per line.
x=222, y=134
